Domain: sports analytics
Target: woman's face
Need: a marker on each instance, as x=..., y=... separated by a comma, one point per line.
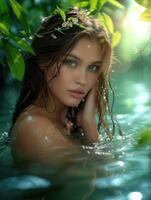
x=78, y=74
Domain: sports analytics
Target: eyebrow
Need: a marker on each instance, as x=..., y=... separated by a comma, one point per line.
x=79, y=59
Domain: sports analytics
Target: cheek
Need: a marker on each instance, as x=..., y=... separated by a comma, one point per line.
x=59, y=83
x=92, y=81
x=55, y=84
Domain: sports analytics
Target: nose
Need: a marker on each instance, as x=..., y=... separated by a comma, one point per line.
x=81, y=77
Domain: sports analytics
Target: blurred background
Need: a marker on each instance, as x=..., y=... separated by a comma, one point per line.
x=122, y=166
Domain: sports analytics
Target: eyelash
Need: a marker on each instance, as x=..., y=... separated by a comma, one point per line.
x=70, y=62
x=96, y=68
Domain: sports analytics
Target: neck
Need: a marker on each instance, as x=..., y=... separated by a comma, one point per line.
x=55, y=109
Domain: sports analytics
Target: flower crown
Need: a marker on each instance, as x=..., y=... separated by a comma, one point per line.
x=69, y=22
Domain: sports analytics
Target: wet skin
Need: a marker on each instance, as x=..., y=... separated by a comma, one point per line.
x=39, y=134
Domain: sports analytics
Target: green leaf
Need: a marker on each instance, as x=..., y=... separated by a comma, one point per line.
x=4, y=29
x=15, y=61
x=4, y=13
x=93, y=4
x=17, y=8
x=101, y=3
x=82, y=4
x=20, y=13
x=3, y=7
x=1, y=43
x=62, y=13
x=23, y=33
x=93, y=12
x=116, y=4
x=106, y=21
x=144, y=3
x=102, y=21
x=116, y=37
x=145, y=137
x=23, y=44
x=146, y=15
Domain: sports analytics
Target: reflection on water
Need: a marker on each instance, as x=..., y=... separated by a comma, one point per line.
x=24, y=182
x=116, y=170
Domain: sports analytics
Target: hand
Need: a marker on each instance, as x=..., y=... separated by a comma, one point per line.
x=86, y=116
x=87, y=113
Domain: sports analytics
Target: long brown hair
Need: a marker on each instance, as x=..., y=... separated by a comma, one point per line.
x=51, y=43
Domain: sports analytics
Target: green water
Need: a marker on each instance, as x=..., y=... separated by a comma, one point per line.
x=116, y=170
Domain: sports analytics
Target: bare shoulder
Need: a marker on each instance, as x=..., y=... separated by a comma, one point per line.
x=35, y=135
x=30, y=123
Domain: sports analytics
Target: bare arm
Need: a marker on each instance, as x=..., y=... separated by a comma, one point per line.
x=91, y=132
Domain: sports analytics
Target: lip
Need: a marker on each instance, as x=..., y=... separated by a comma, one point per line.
x=77, y=94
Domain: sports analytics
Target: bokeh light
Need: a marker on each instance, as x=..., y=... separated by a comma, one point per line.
x=135, y=32
x=135, y=196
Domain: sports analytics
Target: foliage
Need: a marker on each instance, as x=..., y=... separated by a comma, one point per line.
x=17, y=26
x=12, y=41
x=144, y=138
x=146, y=14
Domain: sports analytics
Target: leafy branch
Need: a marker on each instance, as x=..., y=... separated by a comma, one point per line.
x=13, y=43
x=15, y=39
x=146, y=14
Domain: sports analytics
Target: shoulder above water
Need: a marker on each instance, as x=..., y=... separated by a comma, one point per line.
x=36, y=136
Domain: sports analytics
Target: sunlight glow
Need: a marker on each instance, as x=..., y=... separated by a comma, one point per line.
x=142, y=95
x=138, y=98
x=134, y=24
x=140, y=109
x=141, y=99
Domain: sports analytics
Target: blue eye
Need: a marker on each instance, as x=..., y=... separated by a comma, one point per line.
x=70, y=63
x=93, y=68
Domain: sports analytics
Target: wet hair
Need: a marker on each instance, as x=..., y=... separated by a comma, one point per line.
x=51, y=45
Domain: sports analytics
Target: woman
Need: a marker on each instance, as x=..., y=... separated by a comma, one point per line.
x=64, y=86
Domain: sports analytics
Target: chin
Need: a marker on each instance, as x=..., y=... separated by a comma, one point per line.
x=73, y=104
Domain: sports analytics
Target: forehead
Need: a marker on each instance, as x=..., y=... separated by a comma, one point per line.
x=89, y=49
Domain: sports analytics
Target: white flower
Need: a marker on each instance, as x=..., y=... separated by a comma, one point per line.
x=67, y=24
x=64, y=24
x=70, y=24
x=83, y=15
x=75, y=20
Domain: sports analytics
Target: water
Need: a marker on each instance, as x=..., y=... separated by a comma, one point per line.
x=116, y=170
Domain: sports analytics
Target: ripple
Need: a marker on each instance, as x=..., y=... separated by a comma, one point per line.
x=24, y=182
